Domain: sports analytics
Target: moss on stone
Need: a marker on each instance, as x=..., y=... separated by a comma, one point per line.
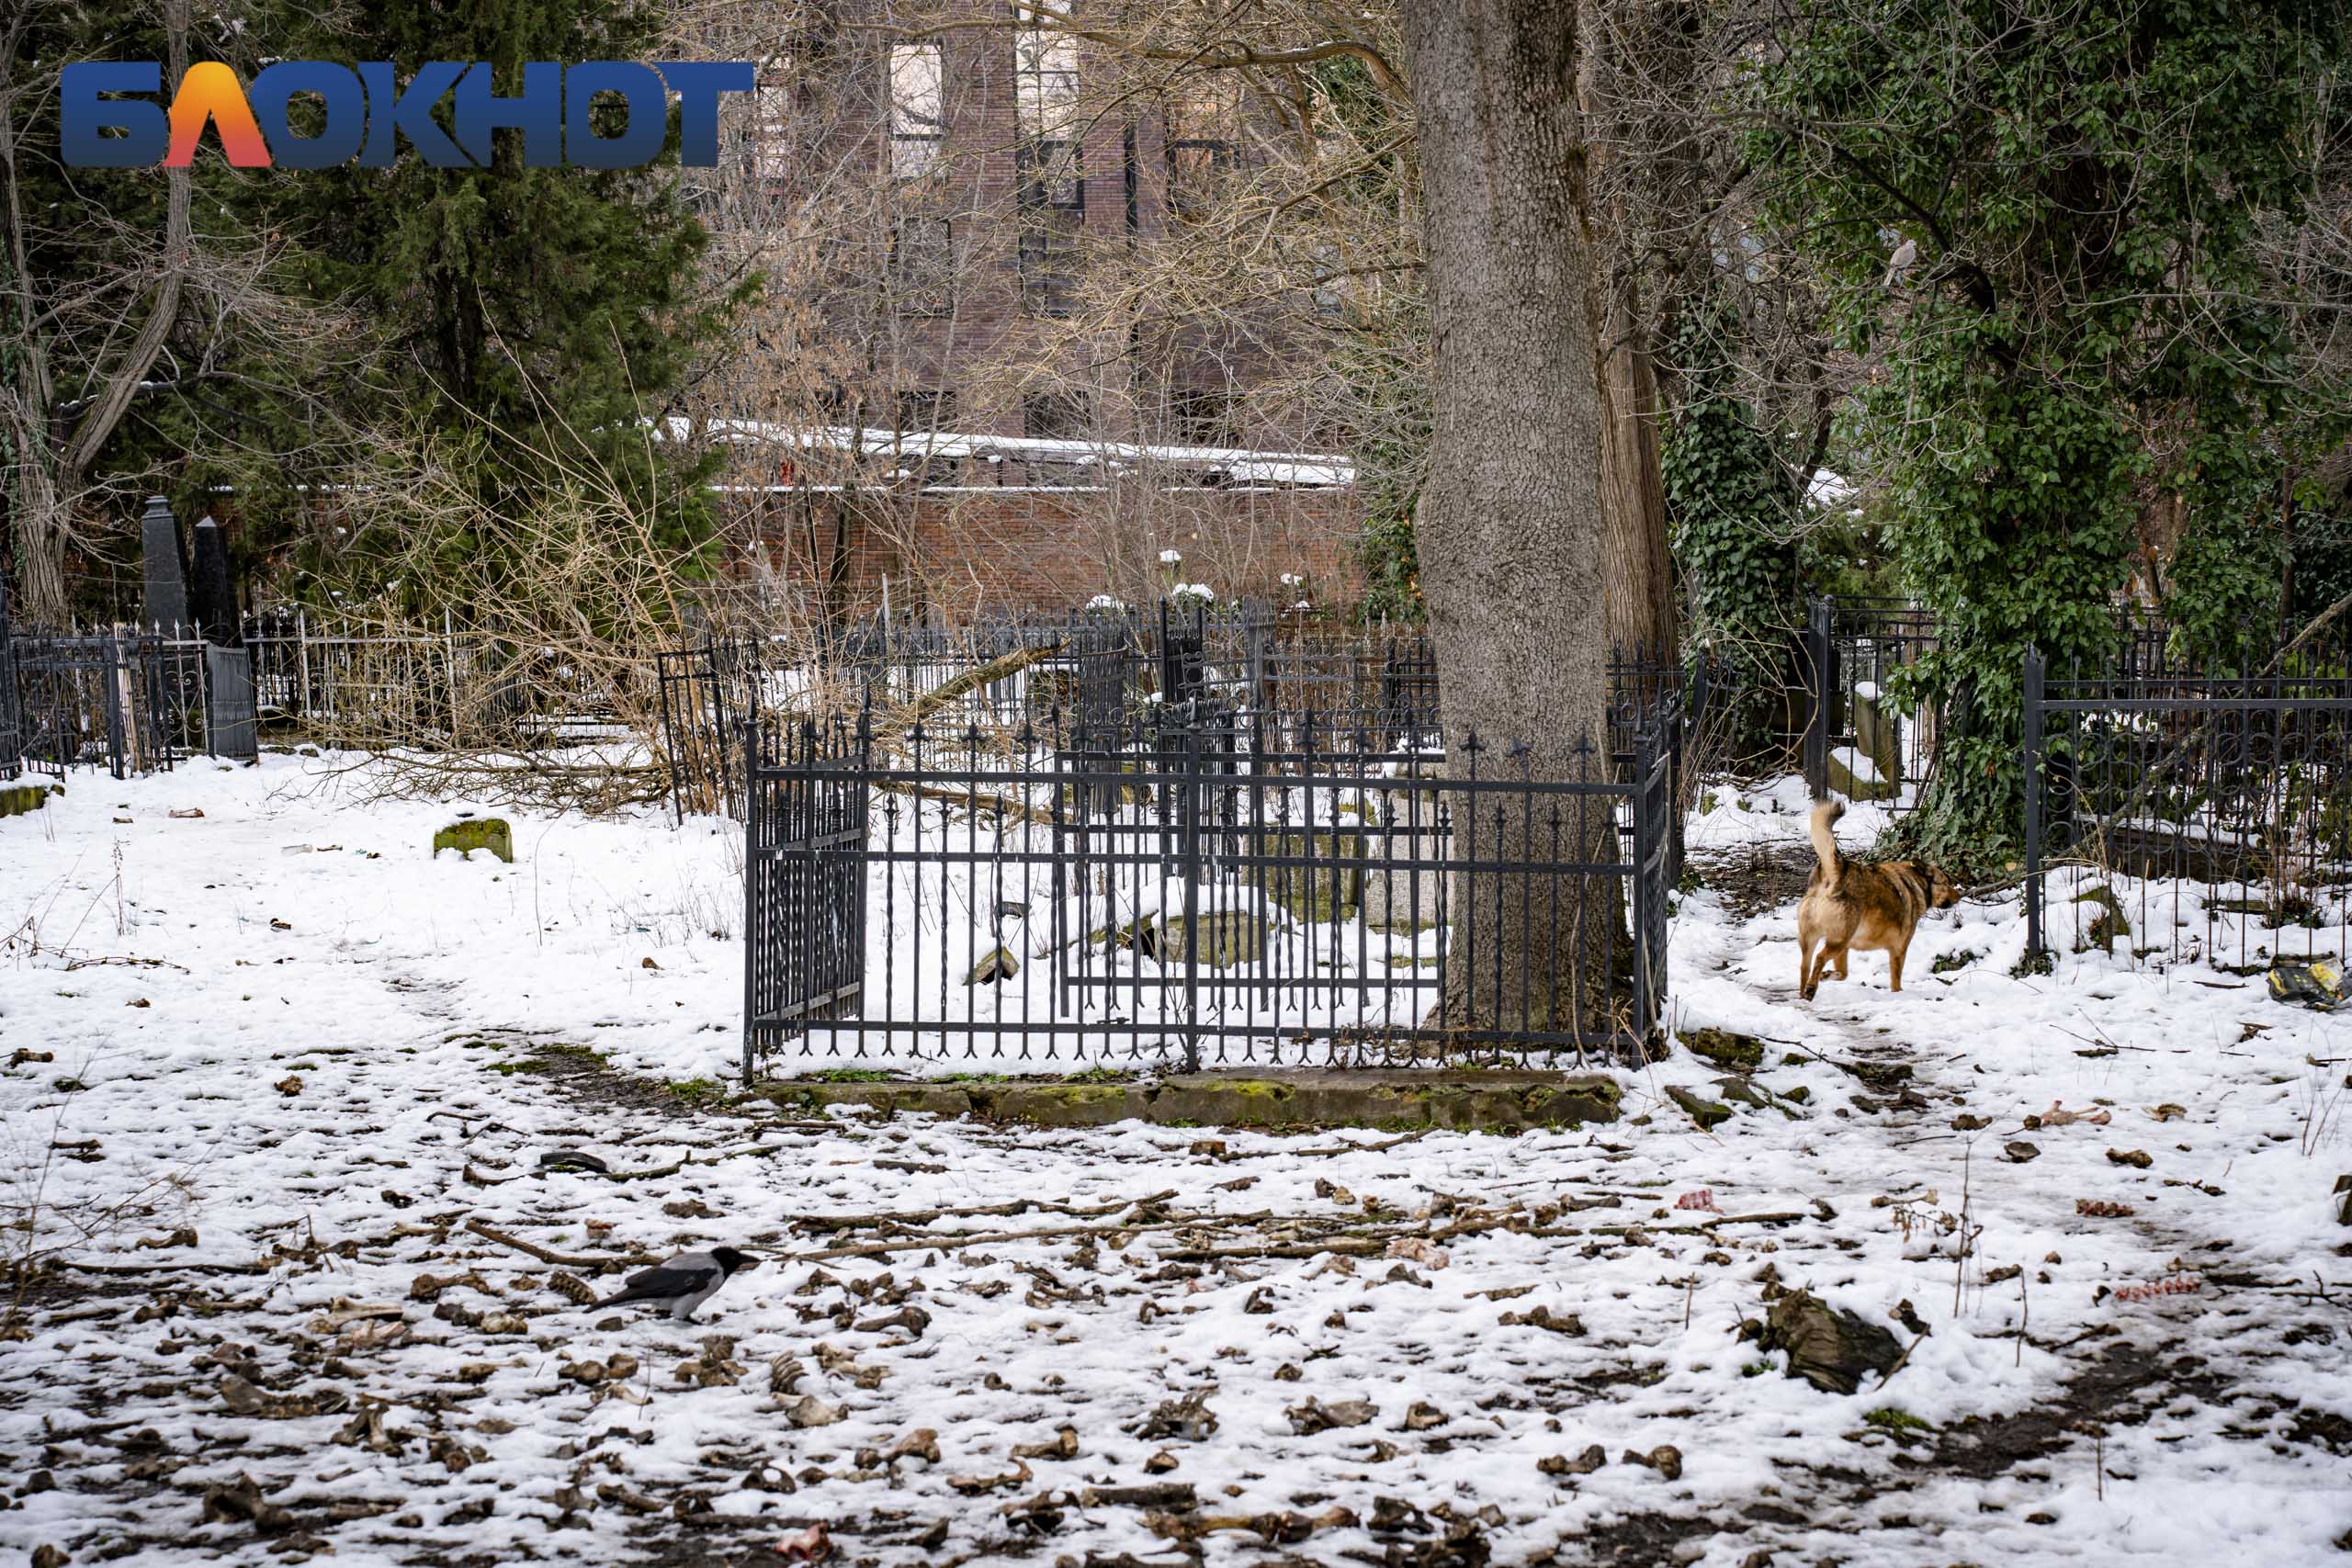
x=1708, y=1113
x=490, y=833
x=1744, y=1051
x=18, y=799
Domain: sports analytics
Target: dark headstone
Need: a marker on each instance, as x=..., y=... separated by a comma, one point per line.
x=164, y=600
x=231, y=718
x=213, y=599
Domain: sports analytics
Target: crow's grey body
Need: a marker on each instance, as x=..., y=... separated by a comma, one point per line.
x=684, y=1282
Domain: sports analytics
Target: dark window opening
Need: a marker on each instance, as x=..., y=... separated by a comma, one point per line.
x=1202, y=416
x=1057, y=416
x=926, y=408
x=1048, y=270
x=1196, y=171
x=1051, y=176
x=922, y=265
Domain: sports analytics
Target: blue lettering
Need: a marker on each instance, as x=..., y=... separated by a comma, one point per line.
x=146, y=129
x=538, y=114
x=346, y=103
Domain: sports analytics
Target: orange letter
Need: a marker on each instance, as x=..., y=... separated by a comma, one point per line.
x=210, y=91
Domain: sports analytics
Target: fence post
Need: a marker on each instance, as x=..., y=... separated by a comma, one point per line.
x=11, y=733
x=754, y=938
x=2029, y=758
x=121, y=717
x=1649, y=859
x=1818, y=677
x=303, y=704
x=1188, y=867
x=449, y=663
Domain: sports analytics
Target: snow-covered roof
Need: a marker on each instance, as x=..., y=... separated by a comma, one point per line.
x=1235, y=464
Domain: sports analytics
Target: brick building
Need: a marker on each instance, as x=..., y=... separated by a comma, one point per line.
x=975, y=387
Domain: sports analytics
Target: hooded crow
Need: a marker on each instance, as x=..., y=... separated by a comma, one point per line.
x=684, y=1282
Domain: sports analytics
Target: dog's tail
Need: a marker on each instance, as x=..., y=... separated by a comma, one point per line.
x=1824, y=844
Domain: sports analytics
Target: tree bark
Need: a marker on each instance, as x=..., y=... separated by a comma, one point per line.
x=57, y=443
x=1635, y=54
x=1508, y=527
x=1637, y=566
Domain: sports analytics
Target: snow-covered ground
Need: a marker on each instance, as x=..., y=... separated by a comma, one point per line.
x=278, y=1085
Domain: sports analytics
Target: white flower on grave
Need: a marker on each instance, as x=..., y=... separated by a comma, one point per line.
x=1292, y=579
x=1170, y=557
x=1200, y=591
x=1105, y=601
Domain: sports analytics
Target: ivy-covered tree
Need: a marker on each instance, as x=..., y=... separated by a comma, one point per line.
x=1734, y=517
x=2039, y=221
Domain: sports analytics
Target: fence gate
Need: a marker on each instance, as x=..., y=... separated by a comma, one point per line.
x=1201, y=888
x=803, y=890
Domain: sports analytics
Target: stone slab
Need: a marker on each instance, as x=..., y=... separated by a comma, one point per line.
x=1464, y=1099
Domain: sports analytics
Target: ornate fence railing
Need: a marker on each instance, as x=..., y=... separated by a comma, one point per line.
x=2174, y=810
x=1200, y=887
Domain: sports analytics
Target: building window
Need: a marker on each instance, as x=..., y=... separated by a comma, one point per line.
x=1203, y=125
x=918, y=109
x=926, y=408
x=1048, y=268
x=923, y=266
x=1051, y=176
x=1050, y=172
x=1057, y=416
x=1201, y=416
x=1044, y=80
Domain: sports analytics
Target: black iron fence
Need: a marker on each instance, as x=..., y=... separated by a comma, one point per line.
x=1869, y=731
x=2179, y=811
x=1200, y=886
x=1099, y=669
x=12, y=735
x=1862, y=739
x=124, y=701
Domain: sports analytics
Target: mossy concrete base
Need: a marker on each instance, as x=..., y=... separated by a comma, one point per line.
x=18, y=799
x=1469, y=1101
x=490, y=833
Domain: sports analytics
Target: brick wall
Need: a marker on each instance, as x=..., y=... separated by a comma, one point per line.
x=957, y=553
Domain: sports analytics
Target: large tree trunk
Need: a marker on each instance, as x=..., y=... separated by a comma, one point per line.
x=1636, y=565
x=1628, y=57
x=58, y=444
x=41, y=547
x=1509, y=529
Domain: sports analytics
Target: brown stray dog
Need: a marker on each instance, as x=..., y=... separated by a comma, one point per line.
x=1867, y=907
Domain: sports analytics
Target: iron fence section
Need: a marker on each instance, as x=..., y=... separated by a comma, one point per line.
x=2176, y=811
x=419, y=685
x=12, y=738
x=125, y=701
x=1099, y=669
x=1202, y=886
x=1861, y=738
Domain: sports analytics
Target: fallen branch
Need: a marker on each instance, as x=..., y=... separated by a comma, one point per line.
x=964, y=1239
x=971, y=799
x=168, y=1268
x=547, y=1255
x=988, y=1211
x=987, y=674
